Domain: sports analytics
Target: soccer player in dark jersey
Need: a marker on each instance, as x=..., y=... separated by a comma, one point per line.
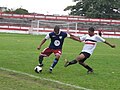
x=57, y=39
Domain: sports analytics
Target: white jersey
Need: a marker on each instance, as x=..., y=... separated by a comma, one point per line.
x=90, y=42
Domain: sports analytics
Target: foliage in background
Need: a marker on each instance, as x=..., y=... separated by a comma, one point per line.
x=96, y=8
x=17, y=11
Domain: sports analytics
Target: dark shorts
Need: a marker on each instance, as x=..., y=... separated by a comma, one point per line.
x=87, y=55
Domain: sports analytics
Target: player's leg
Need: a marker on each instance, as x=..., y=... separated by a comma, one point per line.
x=74, y=61
x=81, y=58
x=40, y=63
x=90, y=70
x=81, y=62
x=45, y=53
x=78, y=58
x=41, y=60
x=56, y=59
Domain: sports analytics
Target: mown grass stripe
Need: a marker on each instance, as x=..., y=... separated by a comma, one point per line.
x=30, y=75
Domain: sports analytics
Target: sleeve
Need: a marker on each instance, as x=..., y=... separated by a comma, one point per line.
x=82, y=38
x=100, y=39
x=47, y=36
x=68, y=35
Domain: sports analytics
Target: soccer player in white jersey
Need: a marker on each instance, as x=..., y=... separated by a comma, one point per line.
x=90, y=40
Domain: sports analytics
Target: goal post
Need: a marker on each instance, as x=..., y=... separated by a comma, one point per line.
x=40, y=27
x=34, y=27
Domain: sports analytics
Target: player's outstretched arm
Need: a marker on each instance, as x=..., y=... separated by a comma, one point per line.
x=111, y=45
x=42, y=42
x=74, y=37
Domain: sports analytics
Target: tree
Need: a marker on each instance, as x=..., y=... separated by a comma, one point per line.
x=20, y=11
x=96, y=8
x=17, y=11
x=8, y=10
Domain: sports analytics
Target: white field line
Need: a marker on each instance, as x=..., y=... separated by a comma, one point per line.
x=33, y=76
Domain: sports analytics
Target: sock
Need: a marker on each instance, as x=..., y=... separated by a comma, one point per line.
x=40, y=59
x=87, y=67
x=54, y=62
x=72, y=62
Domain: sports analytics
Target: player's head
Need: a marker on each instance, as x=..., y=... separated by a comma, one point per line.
x=56, y=29
x=91, y=31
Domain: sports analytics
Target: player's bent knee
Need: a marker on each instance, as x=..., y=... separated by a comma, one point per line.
x=81, y=62
x=57, y=56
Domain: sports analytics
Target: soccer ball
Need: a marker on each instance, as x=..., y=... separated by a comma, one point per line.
x=38, y=69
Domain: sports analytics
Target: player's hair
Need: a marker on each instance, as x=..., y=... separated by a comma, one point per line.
x=56, y=27
x=91, y=29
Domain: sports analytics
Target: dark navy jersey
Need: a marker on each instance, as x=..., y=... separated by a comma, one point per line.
x=56, y=39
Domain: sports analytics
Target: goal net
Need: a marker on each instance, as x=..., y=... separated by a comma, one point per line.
x=45, y=26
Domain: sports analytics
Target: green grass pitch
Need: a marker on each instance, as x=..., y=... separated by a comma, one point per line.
x=18, y=52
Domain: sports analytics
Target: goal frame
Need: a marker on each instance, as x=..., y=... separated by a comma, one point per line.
x=40, y=27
